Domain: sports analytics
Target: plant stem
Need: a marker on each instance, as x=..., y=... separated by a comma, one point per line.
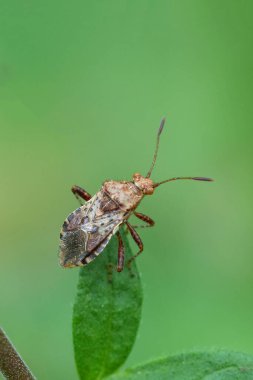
x=11, y=364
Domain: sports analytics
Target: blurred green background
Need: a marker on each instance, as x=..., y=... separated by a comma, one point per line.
x=83, y=87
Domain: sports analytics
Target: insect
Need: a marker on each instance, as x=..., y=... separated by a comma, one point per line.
x=87, y=230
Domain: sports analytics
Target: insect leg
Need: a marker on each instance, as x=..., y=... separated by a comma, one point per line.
x=137, y=240
x=150, y=222
x=80, y=193
x=121, y=253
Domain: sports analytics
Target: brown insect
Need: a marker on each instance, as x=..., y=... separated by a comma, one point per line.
x=87, y=230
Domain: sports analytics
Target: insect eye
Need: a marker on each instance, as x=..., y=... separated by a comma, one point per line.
x=148, y=190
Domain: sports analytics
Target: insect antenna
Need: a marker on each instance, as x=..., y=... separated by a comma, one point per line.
x=157, y=146
x=176, y=178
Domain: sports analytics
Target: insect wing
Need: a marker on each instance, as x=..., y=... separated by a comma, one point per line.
x=87, y=231
x=72, y=239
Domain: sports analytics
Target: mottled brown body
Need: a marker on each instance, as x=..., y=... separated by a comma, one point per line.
x=87, y=230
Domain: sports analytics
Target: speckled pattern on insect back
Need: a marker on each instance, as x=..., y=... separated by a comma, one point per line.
x=87, y=230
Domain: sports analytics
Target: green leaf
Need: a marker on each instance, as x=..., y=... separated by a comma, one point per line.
x=106, y=314
x=214, y=365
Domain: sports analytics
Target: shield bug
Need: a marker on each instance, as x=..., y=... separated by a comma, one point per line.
x=87, y=230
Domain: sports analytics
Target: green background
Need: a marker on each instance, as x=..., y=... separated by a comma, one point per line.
x=83, y=87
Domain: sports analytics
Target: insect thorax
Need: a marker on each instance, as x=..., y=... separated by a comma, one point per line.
x=126, y=194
